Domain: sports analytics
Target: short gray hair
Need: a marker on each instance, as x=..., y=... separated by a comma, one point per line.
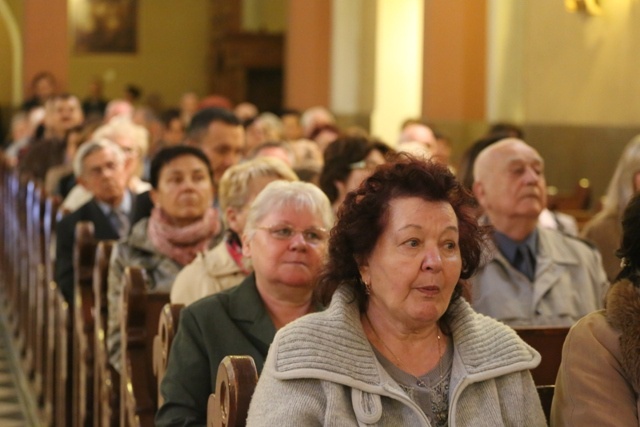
x=297, y=194
x=91, y=147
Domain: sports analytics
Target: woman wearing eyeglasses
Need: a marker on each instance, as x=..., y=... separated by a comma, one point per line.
x=285, y=237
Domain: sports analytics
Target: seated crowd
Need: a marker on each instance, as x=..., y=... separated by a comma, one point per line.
x=370, y=286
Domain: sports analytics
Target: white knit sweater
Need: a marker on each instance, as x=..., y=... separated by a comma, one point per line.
x=321, y=370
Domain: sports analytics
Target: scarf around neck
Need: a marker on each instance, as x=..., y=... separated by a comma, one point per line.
x=181, y=244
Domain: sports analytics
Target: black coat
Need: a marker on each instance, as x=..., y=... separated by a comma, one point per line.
x=65, y=239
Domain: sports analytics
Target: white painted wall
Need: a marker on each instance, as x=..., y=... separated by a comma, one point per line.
x=346, y=64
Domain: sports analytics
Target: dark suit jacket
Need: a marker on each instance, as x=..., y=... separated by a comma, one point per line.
x=232, y=322
x=65, y=239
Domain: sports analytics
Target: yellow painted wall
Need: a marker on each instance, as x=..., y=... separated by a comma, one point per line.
x=172, y=57
x=7, y=78
x=570, y=79
x=264, y=16
x=575, y=69
x=398, y=66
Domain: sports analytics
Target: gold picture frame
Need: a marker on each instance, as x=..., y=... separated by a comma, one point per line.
x=104, y=26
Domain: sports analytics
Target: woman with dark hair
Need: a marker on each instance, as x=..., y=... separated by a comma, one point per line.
x=598, y=382
x=182, y=224
x=398, y=345
x=347, y=162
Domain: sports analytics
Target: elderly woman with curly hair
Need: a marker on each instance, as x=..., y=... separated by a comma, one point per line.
x=398, y=345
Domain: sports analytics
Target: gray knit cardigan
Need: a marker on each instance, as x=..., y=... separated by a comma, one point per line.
x=321, y=370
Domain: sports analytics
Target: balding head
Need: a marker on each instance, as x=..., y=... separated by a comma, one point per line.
x=510, y=184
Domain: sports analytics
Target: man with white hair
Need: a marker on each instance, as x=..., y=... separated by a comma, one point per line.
x=133, y=139
x=534, y=275
x=99, y=167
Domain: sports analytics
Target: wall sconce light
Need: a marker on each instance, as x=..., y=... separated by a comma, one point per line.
x=590, y=7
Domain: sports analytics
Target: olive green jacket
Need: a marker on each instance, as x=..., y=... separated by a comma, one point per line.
x=232, y=322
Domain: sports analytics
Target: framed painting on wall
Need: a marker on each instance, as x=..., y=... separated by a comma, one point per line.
x=104, y=26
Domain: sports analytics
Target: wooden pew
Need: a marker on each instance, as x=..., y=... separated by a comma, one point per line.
x=548, y=342
x=579, y=199
x=26, y=247
x=11, y=254
x=140, y=316
x=37, y=288
x=83, y=324
x=51, y=289
x=62, y=392
x=235, y=382
x=22, y=278
x=106, y=380
x=167, y=328
x=545, y=393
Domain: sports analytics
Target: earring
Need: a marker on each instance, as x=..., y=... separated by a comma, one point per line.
x=367, y=288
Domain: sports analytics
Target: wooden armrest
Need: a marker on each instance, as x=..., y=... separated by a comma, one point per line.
x=167, y=328
x=236, y=380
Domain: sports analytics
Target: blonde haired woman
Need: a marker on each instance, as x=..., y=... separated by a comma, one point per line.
x=604, y=230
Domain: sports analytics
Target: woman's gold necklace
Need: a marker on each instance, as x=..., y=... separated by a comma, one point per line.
x=419, y=382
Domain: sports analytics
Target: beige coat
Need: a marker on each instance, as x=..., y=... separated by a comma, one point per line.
x=209, y=273
x=598, y=383
x=569, y=284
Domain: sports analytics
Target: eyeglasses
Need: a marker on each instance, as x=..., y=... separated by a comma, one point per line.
x=99, y=170
x=364, y=164
x=313, y=236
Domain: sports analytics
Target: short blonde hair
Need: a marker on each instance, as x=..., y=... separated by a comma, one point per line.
x=124, y=127
x=233, y=190
x=621, y=188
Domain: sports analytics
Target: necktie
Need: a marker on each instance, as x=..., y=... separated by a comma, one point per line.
x=524, y=262
x=120, y=222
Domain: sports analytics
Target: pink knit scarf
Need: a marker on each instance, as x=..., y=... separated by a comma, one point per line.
x=181, y=244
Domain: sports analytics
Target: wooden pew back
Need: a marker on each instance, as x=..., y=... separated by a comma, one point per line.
x=167, y=328
x=545, y=393
x=106, y=380
x=235, y=382
x=140, y=315
x=34, y=332
x=548, y=342
x=62, y=414
x=83, y=324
